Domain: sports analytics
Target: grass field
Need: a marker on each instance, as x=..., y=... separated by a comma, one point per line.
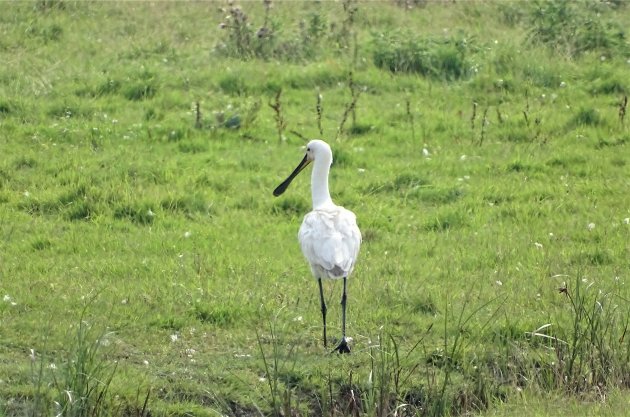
x=147, y=270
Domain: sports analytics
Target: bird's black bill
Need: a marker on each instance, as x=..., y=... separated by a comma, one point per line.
x=285, y=184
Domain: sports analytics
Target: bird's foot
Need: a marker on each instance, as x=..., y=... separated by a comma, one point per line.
x=342, y=347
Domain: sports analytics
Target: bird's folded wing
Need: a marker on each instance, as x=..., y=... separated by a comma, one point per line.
x=330, y=240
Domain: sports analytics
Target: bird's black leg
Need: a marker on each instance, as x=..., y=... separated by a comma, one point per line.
x=343, y=345
x=323, y=304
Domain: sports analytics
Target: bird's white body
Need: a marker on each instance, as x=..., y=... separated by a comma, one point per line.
x=330, y=241
x=329, y=236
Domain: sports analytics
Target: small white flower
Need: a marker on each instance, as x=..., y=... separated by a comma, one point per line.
x=27, y=194
x=426, y=152
x=187, y=235
x=463, y=158
x=361, y=170
x=298, y=318
x=174, y=338
x=8, y=299
x=499, y=283
x=32, y=355
x=563, y=84
x=150, y=213
x=626, y=220
x=590, y=226
x=262, y=379
x=52, y=366
x=145, y=362
x=538, y=245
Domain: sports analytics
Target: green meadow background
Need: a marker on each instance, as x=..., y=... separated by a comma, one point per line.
x=147, y=270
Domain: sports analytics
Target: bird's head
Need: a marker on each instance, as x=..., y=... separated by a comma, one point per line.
x=316, y=150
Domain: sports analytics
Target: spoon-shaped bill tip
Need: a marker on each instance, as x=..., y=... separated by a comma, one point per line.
x=281, y=188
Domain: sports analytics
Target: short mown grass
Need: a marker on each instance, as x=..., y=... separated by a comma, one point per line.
x=146, y=269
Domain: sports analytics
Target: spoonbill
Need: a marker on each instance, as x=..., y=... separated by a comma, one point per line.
x=329, y=235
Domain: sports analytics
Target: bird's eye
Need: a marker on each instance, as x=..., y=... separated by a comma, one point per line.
x=308, y=149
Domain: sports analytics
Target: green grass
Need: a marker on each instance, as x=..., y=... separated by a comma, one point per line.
x=145, y=261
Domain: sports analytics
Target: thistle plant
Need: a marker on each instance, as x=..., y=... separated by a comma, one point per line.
x=276, y=106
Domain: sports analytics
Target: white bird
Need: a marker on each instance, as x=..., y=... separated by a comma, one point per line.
x=329, y=235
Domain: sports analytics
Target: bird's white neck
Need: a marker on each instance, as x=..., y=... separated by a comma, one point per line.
x=319, y=183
